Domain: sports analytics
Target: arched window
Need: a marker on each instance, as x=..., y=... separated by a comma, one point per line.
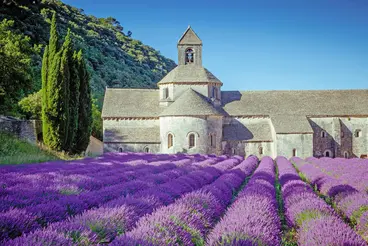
x=346, y=154
x=234, y=151
x=294, y=152
x=189, y=56
x=170, y=140
x=323, y=134
x=342, y=134
x=260, y=150
x=120, y=149
x=191, y=140
x=358, y=133
x=146, y=149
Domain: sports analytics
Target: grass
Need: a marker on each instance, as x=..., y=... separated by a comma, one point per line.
x=16, y=151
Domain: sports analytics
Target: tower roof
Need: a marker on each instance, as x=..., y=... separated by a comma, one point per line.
x=188, y=74
x=190, y=103
x=189, y=37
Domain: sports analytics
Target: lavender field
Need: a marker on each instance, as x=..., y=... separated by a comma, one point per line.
x=147, y=199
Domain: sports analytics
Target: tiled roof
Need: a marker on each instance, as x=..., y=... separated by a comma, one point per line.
x=132, y=135
x=189, y=37
x=303, y=103
x=131, y=103
x=249, y=132
x=190, y=103
x=190, y=73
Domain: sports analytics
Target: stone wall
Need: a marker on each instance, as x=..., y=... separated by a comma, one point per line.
x=25, y=129
x=132, y=147
x=339, y=136
x=182, y=127
x=302, y=143
x=253, y=148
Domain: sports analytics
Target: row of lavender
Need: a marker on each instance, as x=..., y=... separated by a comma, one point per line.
x=189, y=220
x=315, y=221
x=353, y=172
x=14, y=222
x=349, y=201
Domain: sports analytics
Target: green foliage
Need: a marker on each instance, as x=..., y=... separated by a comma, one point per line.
x=96, y=121
x=85, y=106
x=113, y=58
x=32, y=105
x=16, y=151
x=16, y=56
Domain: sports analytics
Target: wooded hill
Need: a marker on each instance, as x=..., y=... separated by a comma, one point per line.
x=114, y=59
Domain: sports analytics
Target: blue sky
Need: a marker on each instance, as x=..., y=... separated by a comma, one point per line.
x=257, y=44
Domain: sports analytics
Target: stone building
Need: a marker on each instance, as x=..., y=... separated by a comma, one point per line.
x=190, y=113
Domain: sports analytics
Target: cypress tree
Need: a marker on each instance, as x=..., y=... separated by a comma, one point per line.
x=53, y=98
x=45, y=122
x=73, y=102
x=48, y=76
x=54, y=40
x=85, y=107
x=63, y=84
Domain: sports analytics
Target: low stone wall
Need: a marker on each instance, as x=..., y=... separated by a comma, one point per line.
x=24, y=129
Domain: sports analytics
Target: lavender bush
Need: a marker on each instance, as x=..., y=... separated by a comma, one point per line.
x=315, y=221
x=257, y=207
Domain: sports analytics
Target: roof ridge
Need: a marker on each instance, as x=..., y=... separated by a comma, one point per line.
x=146, y=89
x=325, y=90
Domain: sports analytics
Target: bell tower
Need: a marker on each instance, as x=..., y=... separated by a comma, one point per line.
x=190, y=49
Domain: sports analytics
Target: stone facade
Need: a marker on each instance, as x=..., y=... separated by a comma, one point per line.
x=189, y=113
x=29, y=130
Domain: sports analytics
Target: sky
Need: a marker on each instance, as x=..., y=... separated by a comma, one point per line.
x=256, y=44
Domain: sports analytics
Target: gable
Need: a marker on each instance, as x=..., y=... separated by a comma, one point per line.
x=189, y=37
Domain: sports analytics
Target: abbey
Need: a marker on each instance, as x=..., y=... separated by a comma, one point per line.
x=190, y=113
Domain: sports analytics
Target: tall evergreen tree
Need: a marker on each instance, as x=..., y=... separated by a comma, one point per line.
x=53, y=98
x=66, y=96
x=63, y=84
x=54, y=40
x=85, y=107
x=45, y=121
x=50, y=73
x=74, y=84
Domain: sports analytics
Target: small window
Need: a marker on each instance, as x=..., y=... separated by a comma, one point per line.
x=170, y=141
x=260, y=150
x=214, y=92
x=342, y=135
x=189, y=56
x=191, y=140
x=346, y=154
x=294, y=152
x=212, y=140
x=146, y=149
x=166, y=93
x=234, y=151
x=120, y=149
x=323, y=134
x=358, y=133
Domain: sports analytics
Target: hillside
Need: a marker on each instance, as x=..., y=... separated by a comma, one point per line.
x=114, y=58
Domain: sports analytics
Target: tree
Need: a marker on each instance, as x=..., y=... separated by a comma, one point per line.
x=96, y=121
x=85, y=106
x=66, y=96
x=15, y=67
x=50, y=92
x=32, y=105
x=64, y=117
